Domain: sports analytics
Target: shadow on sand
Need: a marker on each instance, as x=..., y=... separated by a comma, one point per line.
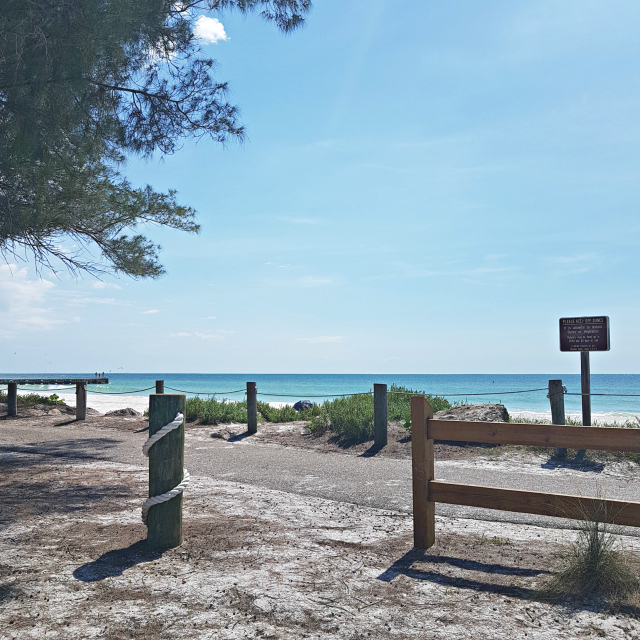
x=116, y=562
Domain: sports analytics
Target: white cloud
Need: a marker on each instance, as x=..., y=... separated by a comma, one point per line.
x=208, y=318
x=180, y=334
x=105, y=285
x=573, y=264
x=320, y=339
x=220, y=334
x=20, y=299
x=76, y=299
x=210, y=30
x=150, y=311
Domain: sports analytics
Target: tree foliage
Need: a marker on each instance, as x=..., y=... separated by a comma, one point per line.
x=83, y=84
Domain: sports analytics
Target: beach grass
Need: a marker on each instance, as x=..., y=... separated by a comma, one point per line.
x=31, y=399
x=351, y=417
x=596, y=566
x=214, y=411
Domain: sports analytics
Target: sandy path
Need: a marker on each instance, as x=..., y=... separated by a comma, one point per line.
x=259, y=563
x=369, y=481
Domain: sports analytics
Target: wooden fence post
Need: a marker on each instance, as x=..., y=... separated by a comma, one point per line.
x=12, y=399
x=166, y=465
x=556, y=400
x=422, y=465
x=81, y=400
x=252, y=408
x=585, y=384
x=380, y=415
x=159, y=386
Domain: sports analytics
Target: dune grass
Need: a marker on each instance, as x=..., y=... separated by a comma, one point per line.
x=351, y=417
x=31, y=399
x=596, y=568
x=214, y=411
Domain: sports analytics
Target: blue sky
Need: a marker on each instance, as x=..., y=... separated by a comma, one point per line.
x=426, y=187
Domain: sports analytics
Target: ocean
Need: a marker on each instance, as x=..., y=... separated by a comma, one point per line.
x=131, y=389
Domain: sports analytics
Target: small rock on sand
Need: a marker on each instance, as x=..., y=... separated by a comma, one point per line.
x=475, y=412
x=123, y=412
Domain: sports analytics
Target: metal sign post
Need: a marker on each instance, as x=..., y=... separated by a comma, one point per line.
x=585, y=335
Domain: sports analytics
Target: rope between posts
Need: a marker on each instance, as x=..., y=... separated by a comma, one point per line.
x=617, y=395
x=488, y=393
x=206, y=393
x=177, y=490
x=120, y=393
x=327, y=395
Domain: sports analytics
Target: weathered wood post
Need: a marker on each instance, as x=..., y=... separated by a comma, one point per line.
x=166, y=465
x=556, y=399
x=159, y=386
x=81, y=400
x=422, y=466
x=252, y=408
x=380, y=415
x=12, y=398
x=585, y=377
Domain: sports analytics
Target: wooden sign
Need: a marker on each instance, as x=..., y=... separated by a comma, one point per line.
x=584, y=334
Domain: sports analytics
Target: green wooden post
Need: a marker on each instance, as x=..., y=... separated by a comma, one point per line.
x=380, y=415
x=556, y=399
x=12, y=399
x=252, y=407
x=166, y=464
x=81, y=400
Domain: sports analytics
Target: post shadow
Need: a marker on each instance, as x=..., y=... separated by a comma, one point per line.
x=116, y=562
x=404, y=566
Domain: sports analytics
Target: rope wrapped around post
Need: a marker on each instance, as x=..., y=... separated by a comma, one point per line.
x=177, y=490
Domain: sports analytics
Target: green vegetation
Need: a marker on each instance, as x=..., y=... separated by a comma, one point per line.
x=286, y=413
x=595, y=568
x=213, y=411
x=351, y=417
x=32, y=399
x=87, y=84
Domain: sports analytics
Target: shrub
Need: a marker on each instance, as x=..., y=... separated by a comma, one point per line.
x=273, y=414
x=212, y=411
x=594, y=567
x=352, y=417
x=31, y=399
x=399, y=404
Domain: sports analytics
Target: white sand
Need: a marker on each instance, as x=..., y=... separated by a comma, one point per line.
x=104, y=403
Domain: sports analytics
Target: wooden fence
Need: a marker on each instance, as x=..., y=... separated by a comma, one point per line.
x=427, y=490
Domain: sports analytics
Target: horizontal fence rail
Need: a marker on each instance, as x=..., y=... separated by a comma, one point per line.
x=427, y=491
x=536, y=502
x=536, y=435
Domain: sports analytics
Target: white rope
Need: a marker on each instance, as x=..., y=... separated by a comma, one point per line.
x=151, y=440
x=176, y=491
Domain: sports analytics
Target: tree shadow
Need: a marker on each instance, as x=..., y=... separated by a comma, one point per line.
x=32, y=487
x=77, y=448
x=116, y=562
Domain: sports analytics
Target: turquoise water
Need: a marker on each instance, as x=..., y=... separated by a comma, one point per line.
x=318, y=387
